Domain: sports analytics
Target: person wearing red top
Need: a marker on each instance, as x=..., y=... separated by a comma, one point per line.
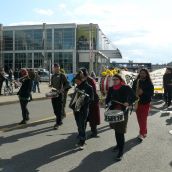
x=119, y=97
x=144, y=90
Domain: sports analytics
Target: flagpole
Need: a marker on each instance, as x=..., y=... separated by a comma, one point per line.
x=45, y=62
x=90, y=48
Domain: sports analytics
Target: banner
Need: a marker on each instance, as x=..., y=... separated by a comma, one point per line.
x=157, y=80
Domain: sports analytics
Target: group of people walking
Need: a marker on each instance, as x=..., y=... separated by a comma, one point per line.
x=85, y=102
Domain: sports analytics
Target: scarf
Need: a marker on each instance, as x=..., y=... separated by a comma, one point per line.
x=117, y=87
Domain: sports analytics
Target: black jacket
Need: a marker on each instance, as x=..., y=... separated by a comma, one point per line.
x=25, y=89
x=124, y=94
x=167, y=79
x=59, y=81
x=148, y=91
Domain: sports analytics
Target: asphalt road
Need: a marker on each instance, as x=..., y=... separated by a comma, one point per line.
x=36, y=147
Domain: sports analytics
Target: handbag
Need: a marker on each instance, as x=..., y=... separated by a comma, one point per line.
x=114, y=116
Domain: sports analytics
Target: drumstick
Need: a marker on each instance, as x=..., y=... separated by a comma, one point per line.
x=121, y=103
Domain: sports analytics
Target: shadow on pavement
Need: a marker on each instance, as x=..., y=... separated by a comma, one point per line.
x=15, y=138
x=165, y=114
x=171, y=163
x=156, y=102
x=169, y=121
x=8, y=126
x=11, y=127
x=100, y=160
x=31, y=160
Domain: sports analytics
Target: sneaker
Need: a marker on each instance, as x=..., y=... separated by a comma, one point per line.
x=80, y=144
x=22, y=122
x=140, y=138
x=119, y=156
x=56, y=126
x=82, y=147
x=60, y=123
x=145, y=135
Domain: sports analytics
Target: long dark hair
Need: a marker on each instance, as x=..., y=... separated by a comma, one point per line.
x=148, y=78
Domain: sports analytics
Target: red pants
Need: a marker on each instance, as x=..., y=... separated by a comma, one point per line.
x=142, y=114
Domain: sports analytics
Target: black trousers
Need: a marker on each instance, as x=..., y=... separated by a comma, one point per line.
x=81, y=120
x=168, y=95
x=64, y=104
x=120, y=139
x=25, y=112
x=57, y=104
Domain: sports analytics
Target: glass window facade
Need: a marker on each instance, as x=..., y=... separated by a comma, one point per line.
x=24, y=40
x=64, y=38
x=33, y=39
x=20, y=60
x=8, y=40
x=8, y=61
x=29, y=60
x=86, y=35
x=65, y=59
x=60, y=43
x=38, y=60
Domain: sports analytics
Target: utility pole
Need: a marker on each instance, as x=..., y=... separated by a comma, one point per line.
x=1, y=45
x=44, y=40
x=90, y=47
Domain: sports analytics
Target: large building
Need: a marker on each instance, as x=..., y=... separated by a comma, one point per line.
x=70, y=45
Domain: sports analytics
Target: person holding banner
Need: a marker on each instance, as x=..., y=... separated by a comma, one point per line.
x=120, y=97
x=167, y=84
x=144, y=90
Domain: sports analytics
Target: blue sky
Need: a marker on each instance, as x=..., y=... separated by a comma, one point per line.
x=141, y=29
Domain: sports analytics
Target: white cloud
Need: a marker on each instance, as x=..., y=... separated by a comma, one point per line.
x=46, y=12
x=62, y=6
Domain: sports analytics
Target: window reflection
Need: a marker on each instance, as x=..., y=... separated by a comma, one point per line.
x=65, y=60
x=64, y=38
x=8, y=40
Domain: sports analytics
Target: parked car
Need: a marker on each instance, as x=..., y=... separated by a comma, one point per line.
x=45, y=76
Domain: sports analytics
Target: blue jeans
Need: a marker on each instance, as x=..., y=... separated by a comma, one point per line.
x=36, y=84
x=81, y=120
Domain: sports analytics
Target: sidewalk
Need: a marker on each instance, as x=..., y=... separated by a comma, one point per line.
x=4, y=100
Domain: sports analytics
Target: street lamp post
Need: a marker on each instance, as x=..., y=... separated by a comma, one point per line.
x=1, y=45
x=45, y=61
x=90, y=48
